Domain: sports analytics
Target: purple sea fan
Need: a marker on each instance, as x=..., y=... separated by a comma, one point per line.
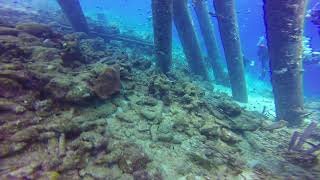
x=296, y=150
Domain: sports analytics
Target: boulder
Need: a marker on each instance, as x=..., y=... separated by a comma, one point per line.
x=246, y=123
x=36, y=29
x=210, y=129
x=96, y=139
x=28, y=134
x=181, y=123
x=95, y=171
x=133, y=159
x=148, y=114
x=107, y=83
x=93, y=50
x=71, y=53
x=11, y=148
x=24, y=172
x=29, y=40
x=230, y=109
x=229, y=137
x=9, y=88
x=68, y=89
x=10, y=106
x=44, y=54
x=159, y=87
x=8, y=31
x=128, y=116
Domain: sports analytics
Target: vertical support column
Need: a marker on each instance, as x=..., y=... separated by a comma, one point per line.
x=206, y=26
x=162, y=29
x=228, y=27
x=187, y=36
x=72, y=10
x=284, y=21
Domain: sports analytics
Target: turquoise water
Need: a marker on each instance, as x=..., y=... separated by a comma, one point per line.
x=136, y=15
x=97, y=106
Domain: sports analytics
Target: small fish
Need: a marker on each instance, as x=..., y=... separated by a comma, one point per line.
x=213, y=14
x=216, y=15
x=252, y=63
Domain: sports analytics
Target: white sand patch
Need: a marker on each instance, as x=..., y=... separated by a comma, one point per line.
x=260, y=96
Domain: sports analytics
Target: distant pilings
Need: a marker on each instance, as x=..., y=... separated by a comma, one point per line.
x=207, y=31
x=73, y=12
x=228, y=27
x=284, y=21
x=188, y=39
x=162, y=28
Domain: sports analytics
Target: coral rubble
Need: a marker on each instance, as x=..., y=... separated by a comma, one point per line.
x=76, y=107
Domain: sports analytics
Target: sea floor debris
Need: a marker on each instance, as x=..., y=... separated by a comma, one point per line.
x=77, y=107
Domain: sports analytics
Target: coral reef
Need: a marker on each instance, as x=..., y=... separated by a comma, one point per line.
x=63, y=115
x=36, y=29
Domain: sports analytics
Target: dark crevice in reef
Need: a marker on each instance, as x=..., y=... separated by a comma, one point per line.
x=77, y=107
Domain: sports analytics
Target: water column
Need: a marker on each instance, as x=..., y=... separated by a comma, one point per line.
x=228, y=27
x=206, y=26
x=284, y=21
x=72, y=10
x=188, y=39
x=162, y=29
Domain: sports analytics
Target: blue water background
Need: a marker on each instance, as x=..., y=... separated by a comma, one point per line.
x=136, y=14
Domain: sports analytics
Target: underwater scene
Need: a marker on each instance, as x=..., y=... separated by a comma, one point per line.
x=159, y=89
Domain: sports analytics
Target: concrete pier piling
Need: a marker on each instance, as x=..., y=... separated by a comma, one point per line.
x=284, y=21
x=228, y=27
x=162, y=28
x=188, y=38
x=207, y=31
x=73, y=12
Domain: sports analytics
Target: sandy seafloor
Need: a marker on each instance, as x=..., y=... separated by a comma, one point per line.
x=259, y=93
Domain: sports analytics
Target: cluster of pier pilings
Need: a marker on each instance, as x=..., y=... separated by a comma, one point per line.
x=284, y=27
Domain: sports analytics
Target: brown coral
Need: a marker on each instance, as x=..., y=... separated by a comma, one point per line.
x=108, y=82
